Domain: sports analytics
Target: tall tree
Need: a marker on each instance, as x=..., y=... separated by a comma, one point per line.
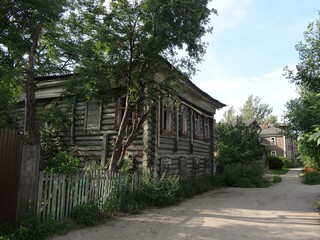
x=229, y=115
x=254, y=109
x=303, y=113
x=26, y=28
x=134, y=45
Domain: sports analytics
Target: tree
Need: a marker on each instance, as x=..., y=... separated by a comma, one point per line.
x=229, y=116
x=237, y=143
x=27, y=33
x=133, y=45
x=254, y=109
x=271, y=119
x=303, y=113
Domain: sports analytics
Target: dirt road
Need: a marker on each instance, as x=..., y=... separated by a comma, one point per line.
x=284, y=211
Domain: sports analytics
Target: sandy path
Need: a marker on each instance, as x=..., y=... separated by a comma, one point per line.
x=285, y=211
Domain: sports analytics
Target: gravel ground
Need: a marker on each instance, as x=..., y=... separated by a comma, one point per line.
x=284, y=211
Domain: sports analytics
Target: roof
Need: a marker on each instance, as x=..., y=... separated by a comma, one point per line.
x=53, y=86
x=271, y=131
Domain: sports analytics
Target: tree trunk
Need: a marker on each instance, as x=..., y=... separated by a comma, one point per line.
x=32, y=125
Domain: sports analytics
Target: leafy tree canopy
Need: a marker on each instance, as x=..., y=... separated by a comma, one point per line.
x=237, y=143
x=303, y=113
x=136, y=45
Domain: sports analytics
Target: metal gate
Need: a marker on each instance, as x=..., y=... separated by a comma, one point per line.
x=11, y=144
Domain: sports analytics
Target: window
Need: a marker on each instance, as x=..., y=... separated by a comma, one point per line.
x=197, y=125
x=93, y=112
x=206, y=128
x=167, y=119
x=273, y=153
x=120, y=108
x=183, y=121
x=272, y=141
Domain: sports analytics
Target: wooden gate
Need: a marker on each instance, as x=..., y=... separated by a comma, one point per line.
x=10, y=167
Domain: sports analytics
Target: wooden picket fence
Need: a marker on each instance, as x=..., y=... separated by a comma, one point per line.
x=58, y=194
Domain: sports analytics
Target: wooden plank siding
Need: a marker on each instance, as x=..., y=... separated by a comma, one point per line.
x=93, y=129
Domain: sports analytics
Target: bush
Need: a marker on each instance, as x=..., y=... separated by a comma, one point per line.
x=63, y=162
x=275, y=163
x=312, y=178
x=86, y=214
x=286, y=162
x=244, y=175
x=159, y=192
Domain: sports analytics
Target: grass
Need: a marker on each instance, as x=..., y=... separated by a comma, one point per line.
x=279, y=171
x=276, y=179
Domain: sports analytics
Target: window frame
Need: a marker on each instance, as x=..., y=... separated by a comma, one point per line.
x=206, y=128
x=183, y=121
x=167, y=119
x=273, y=153
x=197, y=123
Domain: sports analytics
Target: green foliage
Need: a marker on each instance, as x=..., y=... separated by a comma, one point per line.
x=52, y=122
x=312, y=178
x=275, y=163
x=303, y=113
x=87, y=214
x=124, y=45
x=237, y=144
x=279, y=171
x=63, y=162
x=244, y=175
x=31, y=227
x=125, y=198
x=193, y=186
x=254, y=109
x=6, y=232
x=150, y=192
x=276, y=179
x=159, y=192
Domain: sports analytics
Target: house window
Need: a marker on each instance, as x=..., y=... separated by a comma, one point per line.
x=183, y=121
x=167, y=119
x=93, y=112
x=273, y=153
x=120, y=108
x=197, y=125
x=206, y=128
x=272, y=141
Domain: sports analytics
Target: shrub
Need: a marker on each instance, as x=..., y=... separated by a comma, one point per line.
x=312, y=178
x=244, y=175
x=194, y=186
x=86, y=214
x=159, y=192
x=276, y=179
x=63, y=162
x=275, y=163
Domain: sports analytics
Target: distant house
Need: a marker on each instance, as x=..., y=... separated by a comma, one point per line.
x=277, y=143
x=172, y=139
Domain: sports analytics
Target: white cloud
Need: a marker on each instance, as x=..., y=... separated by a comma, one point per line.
x=272, y=87
x=230, y=12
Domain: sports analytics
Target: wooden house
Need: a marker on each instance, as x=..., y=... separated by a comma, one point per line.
x=172, y=139
x=278, y=143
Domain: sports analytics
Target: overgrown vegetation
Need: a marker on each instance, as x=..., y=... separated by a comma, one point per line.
x=87, y=214
x=276, y=179
x=312, y=177
x=244, y=175
x=303, y=113
x=31, y=227
x=239, y=152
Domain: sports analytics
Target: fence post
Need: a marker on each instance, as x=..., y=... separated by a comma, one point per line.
x=28, y=187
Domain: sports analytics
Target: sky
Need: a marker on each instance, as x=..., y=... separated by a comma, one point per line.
x=251, y=43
